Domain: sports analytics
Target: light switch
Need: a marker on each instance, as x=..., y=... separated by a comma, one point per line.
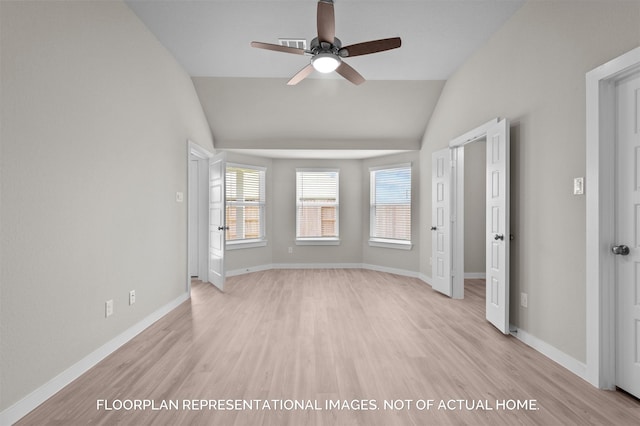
x=179, y=197
x=578, y=186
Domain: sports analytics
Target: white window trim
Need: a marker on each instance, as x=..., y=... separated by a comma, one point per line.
x=388, y=242
x=245, y=244
x=251, y=242
x=390, y=166
x=319, y=241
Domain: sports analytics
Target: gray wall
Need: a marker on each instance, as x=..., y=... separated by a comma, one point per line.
x=380, y=122
x=95, y=120
x=532, y=71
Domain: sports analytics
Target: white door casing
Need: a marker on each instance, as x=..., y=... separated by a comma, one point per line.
x=627, y=235
x=441, y=221
x=194, y=237
x=217, y=168
x=497, y=243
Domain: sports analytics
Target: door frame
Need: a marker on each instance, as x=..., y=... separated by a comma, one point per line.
x=457, y=196
x=197, y=152
x=600, y=216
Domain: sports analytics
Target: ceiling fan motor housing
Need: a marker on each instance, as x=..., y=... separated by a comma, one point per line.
x=324, y=47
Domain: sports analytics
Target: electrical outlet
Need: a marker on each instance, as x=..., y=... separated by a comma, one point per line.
x=524, y=300
x=108, y=308
x=290, y=250
x=132, y=297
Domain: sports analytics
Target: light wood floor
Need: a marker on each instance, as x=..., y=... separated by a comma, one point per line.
x=328, y=335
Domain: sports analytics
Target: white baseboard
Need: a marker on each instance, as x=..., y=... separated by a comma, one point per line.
x=251, y=269
x=316, y=266
x=396, y=271
x=425, y=279
x=44, y=392
x=475, y=275
x=576, y=367
x=248, y=270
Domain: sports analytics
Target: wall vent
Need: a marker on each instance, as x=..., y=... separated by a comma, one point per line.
x=293, y=42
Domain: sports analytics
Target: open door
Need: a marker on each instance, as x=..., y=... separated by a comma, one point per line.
x=497, y=239
x=440, y=221
x=217, y=167
x=626, y=244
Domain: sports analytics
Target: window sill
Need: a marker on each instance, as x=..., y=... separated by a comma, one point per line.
x=318, y=242
x=245, y=244
x=392, y=244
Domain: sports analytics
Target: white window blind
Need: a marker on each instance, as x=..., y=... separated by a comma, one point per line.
x=391, y=203
x=245, y=199
x=317, y=204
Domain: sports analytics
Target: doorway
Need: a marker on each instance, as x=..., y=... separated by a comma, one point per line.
x=197, y=212
x=447, y=213
x=606, y=331
x=475, y=224
x=475, y=210
x=495, y=136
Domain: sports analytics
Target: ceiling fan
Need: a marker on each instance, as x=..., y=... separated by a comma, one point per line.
x=326, y=50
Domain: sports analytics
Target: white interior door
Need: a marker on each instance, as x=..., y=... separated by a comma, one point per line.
x=497, y=255
x=628, y=235
x=441, y=221
x=217, y=167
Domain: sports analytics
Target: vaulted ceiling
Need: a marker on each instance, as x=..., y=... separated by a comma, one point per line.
x=244, y=93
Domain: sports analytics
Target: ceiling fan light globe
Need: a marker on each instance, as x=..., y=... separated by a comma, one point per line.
x=325, y=62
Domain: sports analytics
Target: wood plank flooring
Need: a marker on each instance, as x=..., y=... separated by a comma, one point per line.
x=352, y=338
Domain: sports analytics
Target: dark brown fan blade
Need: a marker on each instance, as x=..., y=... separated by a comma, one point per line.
x=326, y=22
x=350, y=74
x=370, y=47
x=277, y=48
x=301, y=75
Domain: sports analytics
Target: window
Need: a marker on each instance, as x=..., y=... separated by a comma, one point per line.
x=391, y=206
x=317, y=206
x=245, y=198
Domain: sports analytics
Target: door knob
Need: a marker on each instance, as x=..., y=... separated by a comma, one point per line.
x=499, y=237
x=223, y=228
x=433, y=228
x=621, y=250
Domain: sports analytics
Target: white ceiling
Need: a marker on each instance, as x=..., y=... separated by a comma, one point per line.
x=210, y=39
